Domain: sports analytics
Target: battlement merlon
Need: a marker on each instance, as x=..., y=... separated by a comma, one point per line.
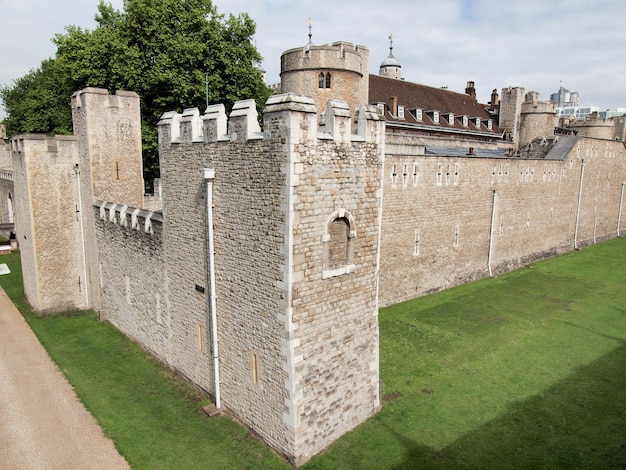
x=242, y=124
x=113, y=101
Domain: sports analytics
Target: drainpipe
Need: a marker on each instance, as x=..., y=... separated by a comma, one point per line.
x=209, y=176
x=82, y=235
x=621, y=203
x=580, y=196
x=493, y=216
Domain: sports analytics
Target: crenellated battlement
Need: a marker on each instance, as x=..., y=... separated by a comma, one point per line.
x=130, y=217
x=242, y=124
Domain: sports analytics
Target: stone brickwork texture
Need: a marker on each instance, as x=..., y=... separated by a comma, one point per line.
x=347, y=64
x=313, y=228
x=47, y=221
x=437, y=213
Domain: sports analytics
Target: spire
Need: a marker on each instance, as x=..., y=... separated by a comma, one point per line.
x=390, y=67
x=310, y=43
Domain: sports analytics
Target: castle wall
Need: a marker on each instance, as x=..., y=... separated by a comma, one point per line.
x=510, y=110
x=249, y=222
x=537, y=118
x=296, y=338
x=47, y=221
x=114, y=151
x=347, y=64
x=437, y=215
x=108, y=131
x=598, y=128
x=7, y=200
x=5, y=156
x=131, y=274
x=334, y=308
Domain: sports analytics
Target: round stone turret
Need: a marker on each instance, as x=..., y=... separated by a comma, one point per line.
x=338, y=71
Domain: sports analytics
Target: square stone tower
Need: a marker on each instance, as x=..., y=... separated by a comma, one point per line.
x=296, y=214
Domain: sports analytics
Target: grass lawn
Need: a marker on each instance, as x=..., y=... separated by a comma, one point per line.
x=526, y=370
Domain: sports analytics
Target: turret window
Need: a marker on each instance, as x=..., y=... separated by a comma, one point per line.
x=324, y=80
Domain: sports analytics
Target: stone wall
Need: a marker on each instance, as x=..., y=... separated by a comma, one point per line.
x=7, y=200
x=108, y=131
x=131, y=274
x=347, y=64
x=298, y=342
x=537, y=118
x=5, y=156
x=48, y=222
x=596, y=127
x=438, y=211
x=334, y=308
x=510, y=110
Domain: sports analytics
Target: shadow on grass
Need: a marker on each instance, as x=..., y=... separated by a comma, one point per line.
x=578, y=423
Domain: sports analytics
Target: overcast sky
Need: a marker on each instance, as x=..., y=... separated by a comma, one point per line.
x=535, y=44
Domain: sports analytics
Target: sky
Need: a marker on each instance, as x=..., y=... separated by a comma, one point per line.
x=539, y=45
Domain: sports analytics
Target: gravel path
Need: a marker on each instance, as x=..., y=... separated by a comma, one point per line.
x=42, y=423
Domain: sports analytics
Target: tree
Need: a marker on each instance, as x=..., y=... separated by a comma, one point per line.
x=165, y=50
x=38, y=102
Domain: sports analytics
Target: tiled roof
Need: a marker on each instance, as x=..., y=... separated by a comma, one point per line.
x=429, y=99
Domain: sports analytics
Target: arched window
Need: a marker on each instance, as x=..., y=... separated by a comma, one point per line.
x=339, y=236
x=321, y=80
x=338, y=242
x=328, y=80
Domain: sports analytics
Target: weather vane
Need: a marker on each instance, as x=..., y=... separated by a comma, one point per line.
x=308, y=21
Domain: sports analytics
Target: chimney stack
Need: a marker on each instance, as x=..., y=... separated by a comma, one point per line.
x=470, y=90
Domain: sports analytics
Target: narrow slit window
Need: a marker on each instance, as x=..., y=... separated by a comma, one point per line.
x=328, y=80
x=254, y=365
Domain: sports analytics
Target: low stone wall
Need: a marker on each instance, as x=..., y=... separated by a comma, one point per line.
x=132, y=274
x=438, y=213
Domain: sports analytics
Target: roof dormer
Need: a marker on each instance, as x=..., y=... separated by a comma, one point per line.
x=433, y=115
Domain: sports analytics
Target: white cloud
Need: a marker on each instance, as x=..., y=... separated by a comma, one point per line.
x=497, y=43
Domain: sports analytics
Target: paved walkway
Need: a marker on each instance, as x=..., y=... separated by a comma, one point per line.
x=42, y=423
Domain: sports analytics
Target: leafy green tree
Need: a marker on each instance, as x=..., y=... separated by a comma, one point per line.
x=167, y=51
x=38, y=102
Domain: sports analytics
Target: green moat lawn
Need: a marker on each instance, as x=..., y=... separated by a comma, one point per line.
x=526, y=370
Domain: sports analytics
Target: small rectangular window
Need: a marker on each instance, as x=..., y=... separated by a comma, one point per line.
x=436, y=116
x=451, y=119
x=381, y=108
x=418, y=114
x=478, y=122
x=400, y=112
